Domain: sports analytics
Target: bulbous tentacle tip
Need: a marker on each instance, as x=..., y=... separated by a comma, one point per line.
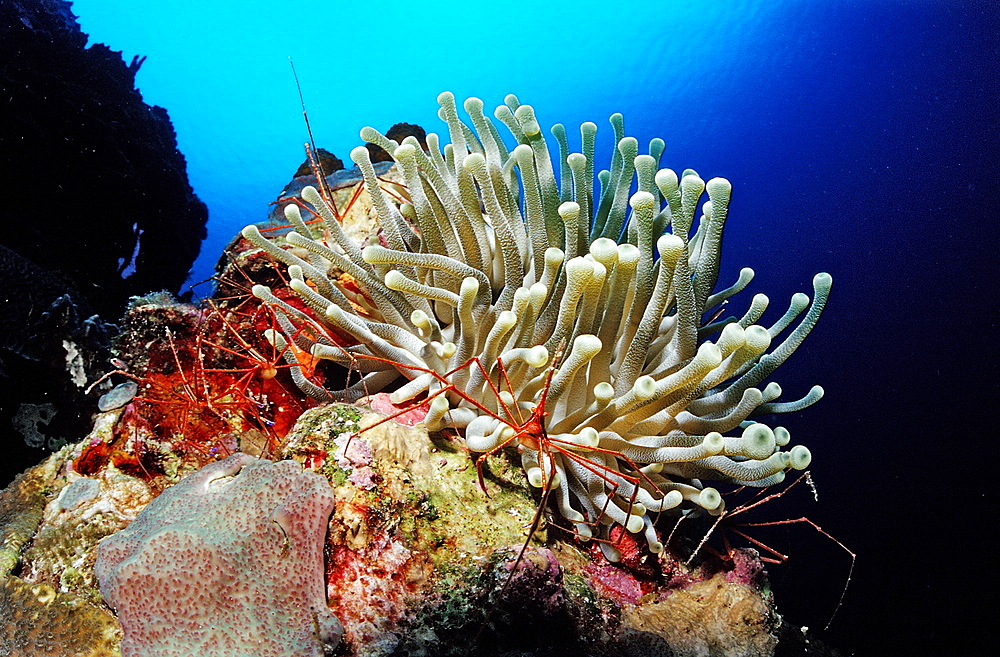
x=719, y=187
x=569, y=210
x=470, y=286
x=367, y=133
x=634, y=524
x=714, y=443
x=709, y=499
x=473, y=105
x=576, y=160
x=692, y=182
x=666, y=178
x=644, y=387
x=311, y=195
x=643, y=201
x=799, y=457
x=628, y=147
x=405, y=152
x=360, y=155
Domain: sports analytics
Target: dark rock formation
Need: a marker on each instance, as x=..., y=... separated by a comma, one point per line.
x=51, y=347
x=325, y=160
x=93, y=183
x=96, y=208
x=398, y=132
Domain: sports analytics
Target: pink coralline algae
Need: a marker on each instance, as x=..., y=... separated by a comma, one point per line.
x=355, y=456
x=227, y=562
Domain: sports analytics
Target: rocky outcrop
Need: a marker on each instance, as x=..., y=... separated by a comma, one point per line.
x=97, y=208
x=94, y=185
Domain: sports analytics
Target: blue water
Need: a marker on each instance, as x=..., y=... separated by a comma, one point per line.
x=860, y=138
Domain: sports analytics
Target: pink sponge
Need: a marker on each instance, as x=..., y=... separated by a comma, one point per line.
x=227, y=562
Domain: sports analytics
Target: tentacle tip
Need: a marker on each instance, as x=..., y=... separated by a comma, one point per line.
x=799, y=457
x=473, y=105
x=360, y=154
x=718, y=187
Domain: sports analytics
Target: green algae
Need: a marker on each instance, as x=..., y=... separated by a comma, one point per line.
x=314, y=437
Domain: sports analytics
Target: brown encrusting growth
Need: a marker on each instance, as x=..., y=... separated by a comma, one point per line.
x=39, y=621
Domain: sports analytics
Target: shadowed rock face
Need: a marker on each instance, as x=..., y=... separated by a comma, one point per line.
x=93, y=184
x=96, y=201
x=51, y=347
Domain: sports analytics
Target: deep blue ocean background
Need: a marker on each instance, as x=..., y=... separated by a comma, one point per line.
x=861, y=139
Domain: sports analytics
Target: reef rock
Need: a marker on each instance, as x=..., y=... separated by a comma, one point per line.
x=37, y=618
x=419, y=560
x=120, y=217
x=422, y=561
x=226, y=561
x=97, y=208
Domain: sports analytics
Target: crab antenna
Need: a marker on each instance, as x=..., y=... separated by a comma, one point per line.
x=302, y=101
x=311, y=150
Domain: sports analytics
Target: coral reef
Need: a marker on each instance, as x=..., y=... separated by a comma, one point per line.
x=545, y=316
x=21, y=506
x=51, y=345
x=418, y=559
x=38, y=620
x=556, y=546
x=231, y=557
x=194, y=389
x=422, y=562
x=74, y=514
x=41, y=615
x=690, y=620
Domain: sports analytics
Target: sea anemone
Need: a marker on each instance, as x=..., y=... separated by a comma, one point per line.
x=532, y=310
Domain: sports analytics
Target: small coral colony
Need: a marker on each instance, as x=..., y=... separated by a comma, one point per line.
x=509, y=300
